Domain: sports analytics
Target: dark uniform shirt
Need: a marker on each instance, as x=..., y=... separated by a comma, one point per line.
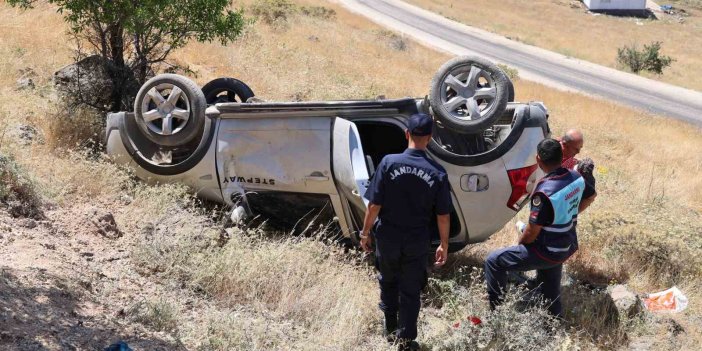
x=589, y=185
x=541, y=212
x=411, y=188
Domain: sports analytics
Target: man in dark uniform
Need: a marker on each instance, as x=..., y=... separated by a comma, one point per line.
x=405, y=192
x=550, y=237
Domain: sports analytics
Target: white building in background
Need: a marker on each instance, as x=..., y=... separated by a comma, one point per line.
x=615, y=5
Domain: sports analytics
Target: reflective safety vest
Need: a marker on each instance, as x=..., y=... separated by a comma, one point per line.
x=559, y=240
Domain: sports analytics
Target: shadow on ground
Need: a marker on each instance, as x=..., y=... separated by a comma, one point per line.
x=43, y=312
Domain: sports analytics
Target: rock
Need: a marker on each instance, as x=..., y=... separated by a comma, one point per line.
x=26, y=133
x=674, y=328
x=126, y=199
x=313, y=38
x=25, y=84
x=49, y=246
x=91, y=81
x=29, y=223
x=105, y=224
x=87, y=80
x=627, y=303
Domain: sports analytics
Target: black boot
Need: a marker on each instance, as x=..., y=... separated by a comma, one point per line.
x=407, y=345
x=390, y=327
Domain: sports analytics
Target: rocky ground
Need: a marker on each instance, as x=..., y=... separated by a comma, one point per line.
x=66, y=283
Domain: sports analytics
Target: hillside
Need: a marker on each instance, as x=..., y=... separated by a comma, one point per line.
x=565, y=27
x=89, y=255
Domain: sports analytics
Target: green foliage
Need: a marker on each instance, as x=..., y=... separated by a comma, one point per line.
x=318, y=12
x=511, y=72
x=138, y=35
x=647, y=59
x=17, y=190
x=173, y=22
x=277, y=11
x=515, y=325
x=271, y=11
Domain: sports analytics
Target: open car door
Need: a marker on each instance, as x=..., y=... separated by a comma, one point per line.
x=350, y=171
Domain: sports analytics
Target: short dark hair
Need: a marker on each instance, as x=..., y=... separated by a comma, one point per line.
x=550, y=152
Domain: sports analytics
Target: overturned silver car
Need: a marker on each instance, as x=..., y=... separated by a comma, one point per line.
x=292, y=161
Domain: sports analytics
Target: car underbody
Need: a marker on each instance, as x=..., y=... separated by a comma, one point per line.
x=304, y=166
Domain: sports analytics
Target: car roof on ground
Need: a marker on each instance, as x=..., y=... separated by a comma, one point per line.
x=404, y=104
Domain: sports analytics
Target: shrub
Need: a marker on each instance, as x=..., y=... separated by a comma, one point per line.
x=244, y=330
x=161, y=315
x=593, y=312
x=647, y=59
x=273, y=11
x=278, y=11
x=511, y=72
x=666, y=260
x=394, y=40
x=76, y=126
x=512, y=326
x=18, y=190
x=318, y=12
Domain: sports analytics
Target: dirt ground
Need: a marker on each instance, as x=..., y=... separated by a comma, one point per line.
x=64, y=285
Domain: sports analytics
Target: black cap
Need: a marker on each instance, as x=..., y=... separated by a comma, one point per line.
x=420, y=124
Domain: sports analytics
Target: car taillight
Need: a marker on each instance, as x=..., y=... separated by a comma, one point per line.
x=518, y=178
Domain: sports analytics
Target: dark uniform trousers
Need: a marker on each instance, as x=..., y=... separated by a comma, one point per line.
x=401, y=259
x=521, y=258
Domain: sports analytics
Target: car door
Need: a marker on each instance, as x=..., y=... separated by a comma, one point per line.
x=350, y=172
x=292, y=169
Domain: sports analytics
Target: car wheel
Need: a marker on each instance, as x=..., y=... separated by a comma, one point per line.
x=164, y=160
x=226, y=90
x=468, y=94
x=170, y=110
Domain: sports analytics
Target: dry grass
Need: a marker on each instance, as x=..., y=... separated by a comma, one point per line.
x=261, y=292
x=18, y=190
x=556, y=26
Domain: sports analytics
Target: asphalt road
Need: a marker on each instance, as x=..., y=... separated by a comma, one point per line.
x=533, y=63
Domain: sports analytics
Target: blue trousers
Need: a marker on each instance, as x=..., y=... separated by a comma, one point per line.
x=402, y=263
x=521, y=258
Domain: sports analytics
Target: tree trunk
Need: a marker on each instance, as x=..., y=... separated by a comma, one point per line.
x=119, y=72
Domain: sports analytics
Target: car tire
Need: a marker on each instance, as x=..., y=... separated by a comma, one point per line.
x=510, y=91
x=142, y=150
x=173, y=119
x=468, y=94
x=236, y=91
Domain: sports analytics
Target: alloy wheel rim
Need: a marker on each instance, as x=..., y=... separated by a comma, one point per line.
x=165, y=109
x=468, y=93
